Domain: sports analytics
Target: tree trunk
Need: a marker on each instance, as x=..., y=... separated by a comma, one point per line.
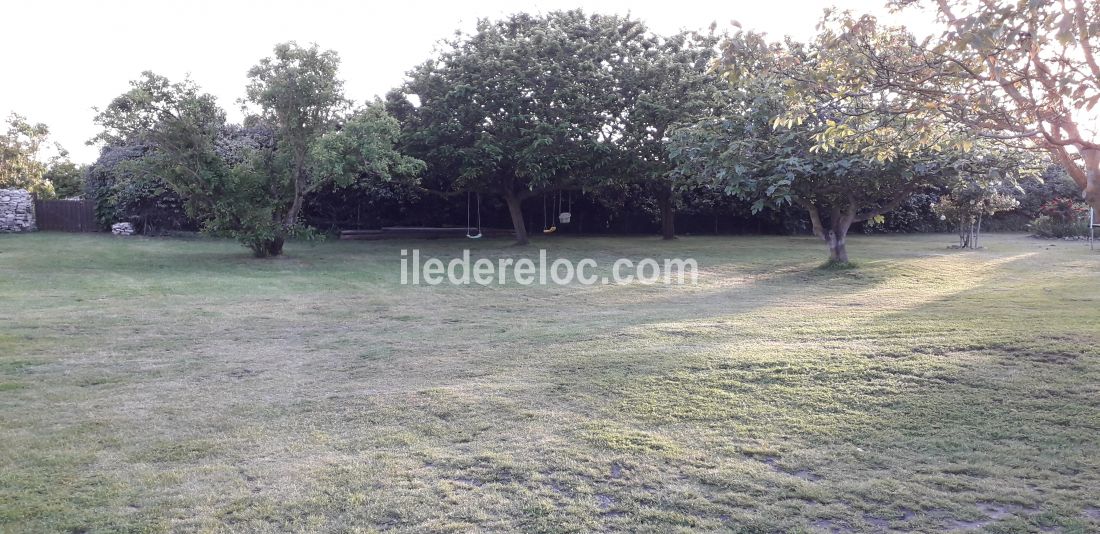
x=1091, y=191
x=668, y=216
x=515, y=209
x=977, y=230
x=838, y=248
x=268, y=248
x=301, y=181
x=275, y=247
x=835, y=233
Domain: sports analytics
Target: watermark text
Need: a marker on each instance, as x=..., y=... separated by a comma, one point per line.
x=465, y=270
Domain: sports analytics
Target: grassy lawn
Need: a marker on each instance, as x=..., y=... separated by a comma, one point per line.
x=157, y=384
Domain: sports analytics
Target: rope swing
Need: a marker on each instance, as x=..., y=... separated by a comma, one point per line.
x=469, y=229
x=565, y=216
x=548, y=223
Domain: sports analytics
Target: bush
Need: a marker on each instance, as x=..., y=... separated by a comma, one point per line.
x=67, y=179
x=123, y=191
x=1048, y=226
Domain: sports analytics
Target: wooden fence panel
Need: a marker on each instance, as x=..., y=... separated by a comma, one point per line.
x=65, y=215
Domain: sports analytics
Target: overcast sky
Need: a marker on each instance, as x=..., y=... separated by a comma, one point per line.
x=63, y=58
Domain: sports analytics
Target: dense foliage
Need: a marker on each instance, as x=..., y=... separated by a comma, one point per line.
x=666, y=83
x=862, y=126
x=250, y=182
x=23, y=164
x=523, y=106
x=124, y=189
x=747, y=149
x=1062, y=217
x=1022, y=73
x=66, y=177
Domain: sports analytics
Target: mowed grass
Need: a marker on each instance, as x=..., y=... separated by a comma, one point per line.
x=169, y=384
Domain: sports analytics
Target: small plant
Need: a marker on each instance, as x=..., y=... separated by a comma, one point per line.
x=968, y=203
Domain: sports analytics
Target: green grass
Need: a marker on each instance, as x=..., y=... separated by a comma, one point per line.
x=156, y=384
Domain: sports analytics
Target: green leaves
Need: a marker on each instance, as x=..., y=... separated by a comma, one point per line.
x=250, y=182
x=140, y=114
x=800, y=128
x=520, y=105
x=20, y=164
x=1018, y=72
x=297, y=91
x=362, y=152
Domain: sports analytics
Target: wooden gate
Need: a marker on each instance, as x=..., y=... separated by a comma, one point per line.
x=66, y=215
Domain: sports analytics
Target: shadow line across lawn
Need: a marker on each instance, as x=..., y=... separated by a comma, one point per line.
x=948, y=413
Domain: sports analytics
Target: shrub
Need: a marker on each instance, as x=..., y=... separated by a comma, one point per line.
x=1048, y=226
x=124, y=191
x=1063, y=210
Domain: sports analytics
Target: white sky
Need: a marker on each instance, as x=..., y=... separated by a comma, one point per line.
x=62, y=58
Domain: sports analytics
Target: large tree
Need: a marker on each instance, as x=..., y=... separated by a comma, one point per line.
x=741, y=154
x=667, y=82
x=1023, y=73
x=521, y=107
x=747, y=149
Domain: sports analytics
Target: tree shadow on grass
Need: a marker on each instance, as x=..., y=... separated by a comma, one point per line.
x=949, y=413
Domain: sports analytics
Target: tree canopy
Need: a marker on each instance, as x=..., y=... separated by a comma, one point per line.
x=523, y=106
x=23, y=164
x=846, y=126
x=250, y=181
x=775, y=141
x=668, y=82
x=1024, y=74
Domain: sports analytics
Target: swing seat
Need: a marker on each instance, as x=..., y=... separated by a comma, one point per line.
x=550, y=230
x=477, y=236
x=565, y=217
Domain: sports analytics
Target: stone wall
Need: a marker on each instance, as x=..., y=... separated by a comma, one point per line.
x=16, y=211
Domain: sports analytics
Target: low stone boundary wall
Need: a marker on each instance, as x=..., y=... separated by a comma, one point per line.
x=16, y=211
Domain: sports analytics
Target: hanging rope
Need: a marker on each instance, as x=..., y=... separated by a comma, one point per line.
x=469, y=229
x=547, y=220
x=565, y=216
